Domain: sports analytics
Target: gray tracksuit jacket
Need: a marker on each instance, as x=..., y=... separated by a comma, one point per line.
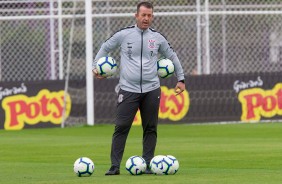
x=139, y=53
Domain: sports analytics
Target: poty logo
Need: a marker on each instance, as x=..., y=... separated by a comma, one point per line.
x=45, y=107
x=257, y=103
x=172, y=107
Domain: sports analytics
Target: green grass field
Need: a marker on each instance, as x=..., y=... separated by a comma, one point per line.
x=211, y=154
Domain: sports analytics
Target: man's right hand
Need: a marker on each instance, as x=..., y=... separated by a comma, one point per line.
x=96, y=74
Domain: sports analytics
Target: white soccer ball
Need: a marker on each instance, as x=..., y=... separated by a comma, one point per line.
x=165, y=68
x=174, y=164
x=135, y=165
x=83, y=167
x=158, y=165
x=106, y=66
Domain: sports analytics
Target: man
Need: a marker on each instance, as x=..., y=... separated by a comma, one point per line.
x=139, y=82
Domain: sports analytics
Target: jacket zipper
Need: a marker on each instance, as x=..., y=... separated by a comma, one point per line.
x=141, y=61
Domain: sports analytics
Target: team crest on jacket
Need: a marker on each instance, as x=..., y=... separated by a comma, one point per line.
x=152, y=44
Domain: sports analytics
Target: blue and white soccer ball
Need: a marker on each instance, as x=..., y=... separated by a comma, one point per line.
x=106, y=66
x=165, y=68
x=158, y=166
x=174, y=164
x=135, y=165
x=83, y=167
x=164, y=165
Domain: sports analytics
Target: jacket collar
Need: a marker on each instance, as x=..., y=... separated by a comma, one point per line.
x=141, y=30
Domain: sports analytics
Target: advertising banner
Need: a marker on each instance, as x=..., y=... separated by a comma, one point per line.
x=218, y=98
x=32, y=104
x=211, y=98
x=242, y=97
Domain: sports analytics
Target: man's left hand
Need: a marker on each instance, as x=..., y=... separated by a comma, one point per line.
x=179, y=88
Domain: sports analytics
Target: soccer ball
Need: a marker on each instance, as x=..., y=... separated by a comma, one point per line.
x=164, y=165
x=158, y=165
x=106, y=66
x=135, y=165
x=83, y=167
x=165, y=68
x=174, y=164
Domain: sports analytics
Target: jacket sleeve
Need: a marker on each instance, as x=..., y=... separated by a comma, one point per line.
x=167, y=51
x=108, y=46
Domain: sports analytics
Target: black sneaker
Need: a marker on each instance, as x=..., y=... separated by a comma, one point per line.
x=148, y=171
x=113, y=171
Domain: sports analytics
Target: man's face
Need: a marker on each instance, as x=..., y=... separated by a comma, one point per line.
x=144, y=17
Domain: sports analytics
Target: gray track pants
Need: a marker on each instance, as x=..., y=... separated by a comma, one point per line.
x=128, y=104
